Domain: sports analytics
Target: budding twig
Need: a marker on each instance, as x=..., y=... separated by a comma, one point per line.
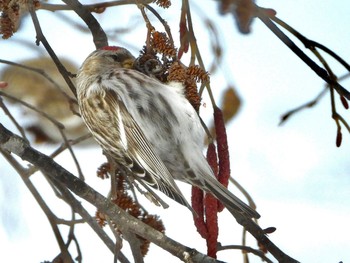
x=41, y=38
x=286, y=40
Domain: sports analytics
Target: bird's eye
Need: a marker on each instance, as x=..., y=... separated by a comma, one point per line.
x=119, y=57
x=116, y=58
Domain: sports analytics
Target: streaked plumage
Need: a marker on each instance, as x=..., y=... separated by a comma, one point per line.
x=147, y=126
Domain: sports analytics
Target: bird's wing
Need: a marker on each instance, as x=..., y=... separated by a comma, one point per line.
x=142, y=160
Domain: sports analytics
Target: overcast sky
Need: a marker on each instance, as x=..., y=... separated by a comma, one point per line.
x=297, y=176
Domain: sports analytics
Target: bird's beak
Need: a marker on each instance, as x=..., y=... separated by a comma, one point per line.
x=128, y=63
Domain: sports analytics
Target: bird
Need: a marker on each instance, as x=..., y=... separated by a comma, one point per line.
x=147, y=127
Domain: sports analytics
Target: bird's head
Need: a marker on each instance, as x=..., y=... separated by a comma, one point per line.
x=106, y=58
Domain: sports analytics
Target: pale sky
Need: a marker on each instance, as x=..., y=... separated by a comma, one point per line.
x=297, y=176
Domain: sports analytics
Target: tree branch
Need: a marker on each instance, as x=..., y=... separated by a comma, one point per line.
x=246, y=249
x=41, y=38
x=44, y=207
x=15, y=144
x=98, y=35
x=297, y=51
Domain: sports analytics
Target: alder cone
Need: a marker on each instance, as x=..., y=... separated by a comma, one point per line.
x=147, y=127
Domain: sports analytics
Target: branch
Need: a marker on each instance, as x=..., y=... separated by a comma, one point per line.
x=125, y=222
x=261, y=237
x=71, y=200
x=289, y=43
x=195, y=52
x=12, y=118
x=42, y=73
x=246, y=249
x=98, y=7
x=41, y=38
x=78, y=208
x=44, y=207
x=310, y=44
x=306, y=105
x=98, y=35
x=59, y=126
x=15, y=144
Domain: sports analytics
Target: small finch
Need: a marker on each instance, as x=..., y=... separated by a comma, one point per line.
x=147, y=127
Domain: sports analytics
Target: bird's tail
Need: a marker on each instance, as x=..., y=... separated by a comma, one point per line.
x=228, y=199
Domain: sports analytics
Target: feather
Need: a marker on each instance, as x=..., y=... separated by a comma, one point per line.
x=123, y=139
x=148, y=127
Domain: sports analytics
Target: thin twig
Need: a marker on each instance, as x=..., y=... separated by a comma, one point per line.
x=309, y=104
x=335, y=115
x=59, y=125
x=134, y=242
x=215, y=42
x=164, y=23
x=78, y=258
x=98, y=35
x=63, y=146
x=13, y=119
x=118, y=239
x=246, y=249
x=185, y=8
x=310, y=43
x=286, y=40
x=41, y=38
x=43, y=74
x=124, y=221
x=195, y=53
x=44, y=207
x=78, y=208
x=332, y=79
x=69, y=222
x=70, y=149
x=342, y=120
x=92, y=7
x=244, y=192
x=149, y=27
